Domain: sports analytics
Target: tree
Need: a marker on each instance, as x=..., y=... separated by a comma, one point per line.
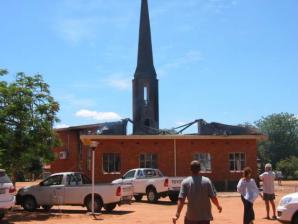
x=289, y=167
x=282, y=131
x=27, y=115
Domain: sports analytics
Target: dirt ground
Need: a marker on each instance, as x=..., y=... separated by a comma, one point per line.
x=143, y=212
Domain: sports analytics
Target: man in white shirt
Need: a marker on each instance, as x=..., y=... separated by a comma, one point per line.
x=268, y=178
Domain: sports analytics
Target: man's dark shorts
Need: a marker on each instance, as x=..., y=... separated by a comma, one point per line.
x=195, y=222
x=268, y=197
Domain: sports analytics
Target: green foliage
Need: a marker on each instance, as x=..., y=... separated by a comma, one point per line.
x=27, y=115
x=289, y=167
x=282, y=131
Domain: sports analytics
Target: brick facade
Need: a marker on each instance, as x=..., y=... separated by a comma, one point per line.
x=130, y=148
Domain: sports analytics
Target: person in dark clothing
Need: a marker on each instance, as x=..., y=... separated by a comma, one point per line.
x=199, y=191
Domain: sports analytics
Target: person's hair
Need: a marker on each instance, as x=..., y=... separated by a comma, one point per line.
x=268, y=167
x=195, y=166
x=247, y=171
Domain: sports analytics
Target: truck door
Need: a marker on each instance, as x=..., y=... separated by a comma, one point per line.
x=129, y=177
x=139, y=184
x=51, y=191
x=73, y=187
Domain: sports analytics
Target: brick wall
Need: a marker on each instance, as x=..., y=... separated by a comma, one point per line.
x=130, y=151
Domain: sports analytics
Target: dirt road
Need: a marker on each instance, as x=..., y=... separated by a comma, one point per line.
x=143, y=212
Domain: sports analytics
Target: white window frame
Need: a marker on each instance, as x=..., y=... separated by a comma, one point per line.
x=237, y=164
x=203, y=158
x=148, y=158
x=114, y=171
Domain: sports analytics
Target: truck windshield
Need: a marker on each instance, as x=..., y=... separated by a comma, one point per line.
x=53, y=180
x=4, y=178
x=129, y=174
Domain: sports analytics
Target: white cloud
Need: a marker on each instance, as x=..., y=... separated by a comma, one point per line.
x=99, y=116
x=188, y=58
x=75, y=30
x=120, y=84
x=74, y=101
x=61, y=126
x=118, y=81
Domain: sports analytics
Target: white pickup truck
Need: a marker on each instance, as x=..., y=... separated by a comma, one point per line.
x=151, y=182
x=72, y=188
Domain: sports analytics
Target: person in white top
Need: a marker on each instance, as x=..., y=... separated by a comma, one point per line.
x=268, y=178
x=249, y=192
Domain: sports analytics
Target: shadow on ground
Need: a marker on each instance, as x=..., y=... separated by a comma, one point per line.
x=19, y=215
x=157, y=203
x=23, y=216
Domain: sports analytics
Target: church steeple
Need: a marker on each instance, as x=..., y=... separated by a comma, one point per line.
x=145, y=64
x=145, y=83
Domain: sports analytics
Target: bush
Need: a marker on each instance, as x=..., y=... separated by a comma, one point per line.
x=289, y=167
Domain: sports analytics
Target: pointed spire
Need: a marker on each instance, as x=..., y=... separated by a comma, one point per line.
x=145, y=65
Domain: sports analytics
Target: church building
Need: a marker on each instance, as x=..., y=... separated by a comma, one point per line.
x=223, y=150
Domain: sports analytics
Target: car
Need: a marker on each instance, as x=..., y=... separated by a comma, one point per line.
x=73, y=188
x=287, y=210
x=7, y=193
x=151, y=182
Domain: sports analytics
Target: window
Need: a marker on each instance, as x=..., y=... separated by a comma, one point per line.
x=4, y=178
x=129, y=174
x=86, y=179
x=148, y=160
x=205, y=161
x=88, y=160
x=53, y=180
x=147, y=123
x=111, y=163
x=237, y=161
x=146, y=94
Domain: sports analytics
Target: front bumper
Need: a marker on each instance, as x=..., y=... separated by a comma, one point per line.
x=125, y=200
x=285, y=213
x=4, y=205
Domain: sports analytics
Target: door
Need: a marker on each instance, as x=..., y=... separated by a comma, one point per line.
x=50, y=191
x=129, y=177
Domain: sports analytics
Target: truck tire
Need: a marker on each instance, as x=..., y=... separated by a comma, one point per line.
x=138, y=197
x=2, y=213
x=173, y=197
x=110, y=207
x=295, y=219
x=29, y=203
x=97, y=204
x=152, y=195
x=47, y=207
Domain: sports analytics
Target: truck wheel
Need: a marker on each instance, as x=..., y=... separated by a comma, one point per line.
x=97, y=204
x=295, y=219
x=29, y=204
x=47, y=207
x=138, y=197
x=173, y=197
x=110, y=207
x=152, y=195
x=2, y=214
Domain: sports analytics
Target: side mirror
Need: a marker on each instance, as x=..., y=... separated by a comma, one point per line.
x=122, y=177
x=41, y=184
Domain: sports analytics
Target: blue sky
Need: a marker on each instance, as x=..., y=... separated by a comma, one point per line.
x=229, y=61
